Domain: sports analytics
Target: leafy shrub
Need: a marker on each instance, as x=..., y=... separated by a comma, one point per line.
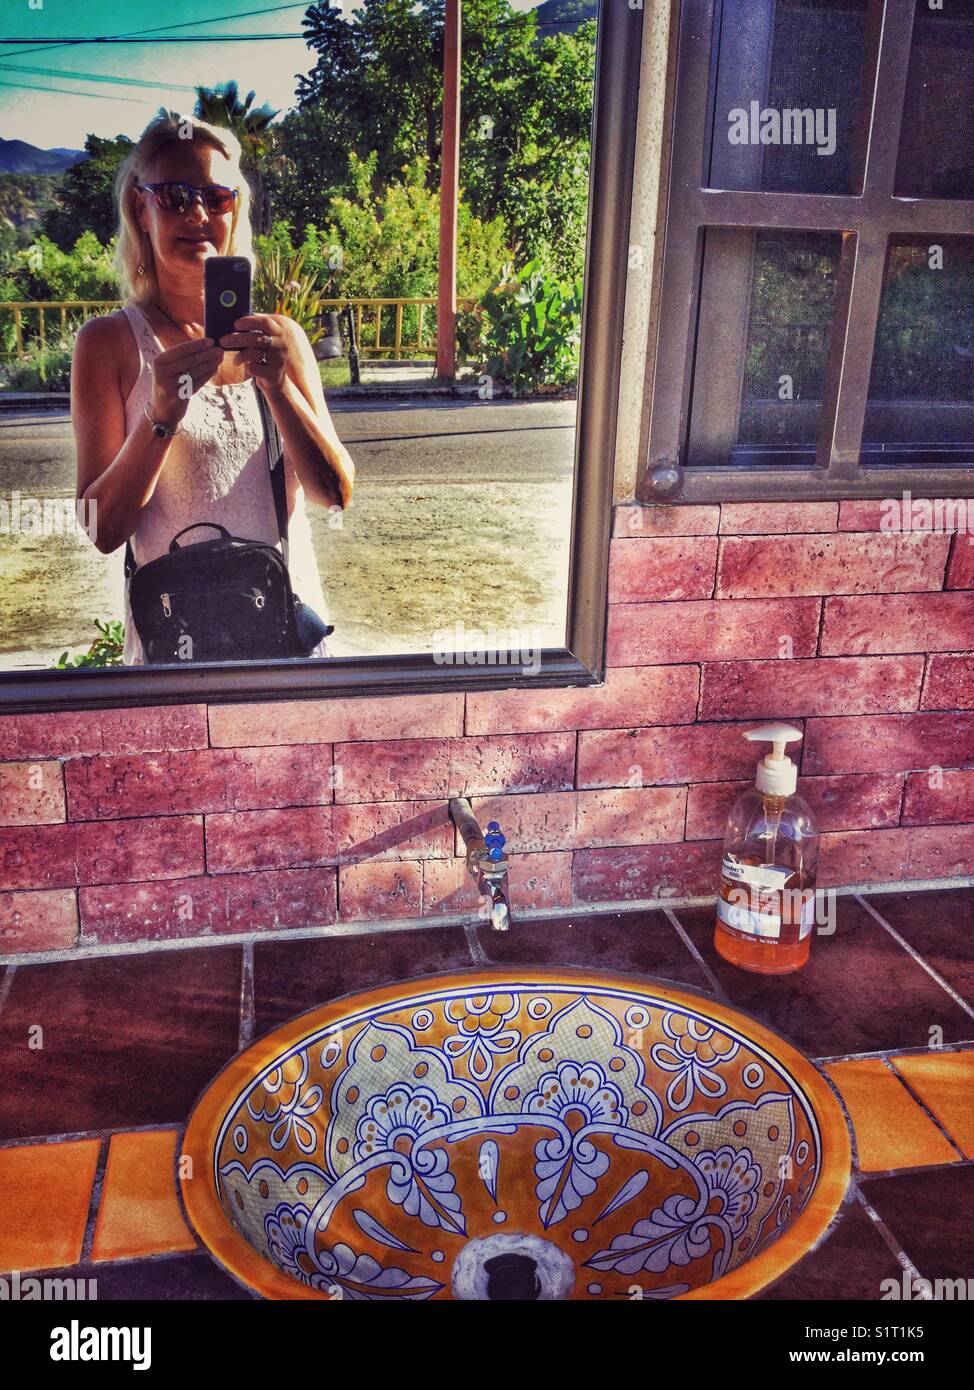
x=526, y=331
x=105, y=650
x=283, y=286
x=44, y=366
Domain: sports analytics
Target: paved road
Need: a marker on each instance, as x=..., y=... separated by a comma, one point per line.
x=462, y=513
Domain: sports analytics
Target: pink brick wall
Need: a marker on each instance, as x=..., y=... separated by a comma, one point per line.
x=185, y=822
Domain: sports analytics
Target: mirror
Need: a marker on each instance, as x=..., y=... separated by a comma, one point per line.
x=324, y=337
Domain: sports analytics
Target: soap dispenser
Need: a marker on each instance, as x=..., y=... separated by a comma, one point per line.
x=766, y=905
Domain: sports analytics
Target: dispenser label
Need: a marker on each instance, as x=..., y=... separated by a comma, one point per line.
x=764, y=922
x=757, y=875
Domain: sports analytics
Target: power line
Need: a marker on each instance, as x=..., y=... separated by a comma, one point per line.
x=68, y=91
x=102, y=77
x=48, y=44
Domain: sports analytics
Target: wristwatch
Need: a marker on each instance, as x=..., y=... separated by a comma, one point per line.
x=160, y=430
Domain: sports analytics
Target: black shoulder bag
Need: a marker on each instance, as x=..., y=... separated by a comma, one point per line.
x=224, y=599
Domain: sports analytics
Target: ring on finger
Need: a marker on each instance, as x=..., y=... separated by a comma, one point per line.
x=263, y=359
x=264, y=340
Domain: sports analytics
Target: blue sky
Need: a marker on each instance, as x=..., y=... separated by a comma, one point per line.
x=84, y=103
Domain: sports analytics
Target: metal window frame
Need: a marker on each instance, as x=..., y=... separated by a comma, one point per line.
x=580, y=661
x=867, y=220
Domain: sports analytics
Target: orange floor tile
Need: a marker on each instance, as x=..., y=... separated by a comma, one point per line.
x=139, y=1212
x=944, y=1081
x=46, y=1193
x=891, y=1129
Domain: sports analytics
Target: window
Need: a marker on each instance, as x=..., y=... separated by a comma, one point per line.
x=815, y=326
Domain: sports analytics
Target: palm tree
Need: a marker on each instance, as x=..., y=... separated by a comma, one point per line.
x=222, y=105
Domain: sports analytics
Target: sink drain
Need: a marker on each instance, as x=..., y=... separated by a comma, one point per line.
x=512, y=1268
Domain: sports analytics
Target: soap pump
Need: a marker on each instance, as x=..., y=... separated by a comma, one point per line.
x=766, y=904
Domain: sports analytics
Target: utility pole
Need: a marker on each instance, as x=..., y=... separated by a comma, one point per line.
x=446, y=309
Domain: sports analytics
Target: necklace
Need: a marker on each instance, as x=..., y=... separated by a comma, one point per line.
x=175, y=325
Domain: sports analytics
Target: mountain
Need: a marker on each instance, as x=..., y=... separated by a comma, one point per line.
x=17, y=157
x=564, y=16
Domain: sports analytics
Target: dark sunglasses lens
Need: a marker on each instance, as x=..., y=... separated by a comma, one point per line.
x=218, y=199
x=176, y=197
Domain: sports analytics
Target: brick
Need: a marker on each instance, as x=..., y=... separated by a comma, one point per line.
x=63, y=856
x=669, y=567
x=837, y=803
x=709, y=630
x=639, y=872
x=888, y=743
x=898, y=623
x=949, y=682
x=310, y=836
x=960, y=568
x=79, y=733
x=774, y=518
x=43, y=921
x=682, y=753
x=569, y=820
x=336, y=720
x=907, y=854
x=416, y=768
x=943, y=797
x=908, y=513
x=784, y=566
x=665, y=520
x=205, y=906
x=209, y=779
x=535, y=881
x=380, y=891
x=31, y=793
x=780, y=689
x=657, y=695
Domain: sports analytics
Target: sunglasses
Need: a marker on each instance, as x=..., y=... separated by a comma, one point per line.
x=180, y=197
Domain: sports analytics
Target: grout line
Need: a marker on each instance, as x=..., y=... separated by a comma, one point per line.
x=94, y=1202
x=367, y=927
x=894, y=1052
x=910, y=950
x=477, y=953
x=72, y=1134
x=681, y=932
x=902, y=1258
x=935, y=1119
x=873, y=1174
x=245, y=1035
x=6, y=984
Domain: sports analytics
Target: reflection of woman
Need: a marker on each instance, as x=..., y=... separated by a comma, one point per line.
x=167, y=425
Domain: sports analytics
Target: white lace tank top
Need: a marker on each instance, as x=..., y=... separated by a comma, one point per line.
x=216, y=470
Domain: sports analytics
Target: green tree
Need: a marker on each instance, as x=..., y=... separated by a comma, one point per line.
x=85, y=194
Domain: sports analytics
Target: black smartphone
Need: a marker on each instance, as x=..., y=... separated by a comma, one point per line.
x=226, y=294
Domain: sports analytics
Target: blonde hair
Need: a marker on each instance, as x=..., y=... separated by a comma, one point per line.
x=134, y=258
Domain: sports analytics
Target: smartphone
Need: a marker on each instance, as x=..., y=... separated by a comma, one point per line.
x=226, y=294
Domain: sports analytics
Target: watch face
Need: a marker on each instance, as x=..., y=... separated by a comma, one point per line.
x=160, y=431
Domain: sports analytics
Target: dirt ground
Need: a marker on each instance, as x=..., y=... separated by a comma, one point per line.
x=426, y=545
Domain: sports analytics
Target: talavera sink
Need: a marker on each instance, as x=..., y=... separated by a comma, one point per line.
x=516, y=1134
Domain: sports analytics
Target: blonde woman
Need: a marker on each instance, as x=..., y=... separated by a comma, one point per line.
x=167, y=423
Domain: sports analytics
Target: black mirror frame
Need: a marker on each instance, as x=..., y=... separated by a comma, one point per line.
x=581, y=661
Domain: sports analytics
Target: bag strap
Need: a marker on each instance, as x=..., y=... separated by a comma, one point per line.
x=275, y=459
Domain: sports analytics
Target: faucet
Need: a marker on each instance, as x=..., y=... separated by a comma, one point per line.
x=486, y=860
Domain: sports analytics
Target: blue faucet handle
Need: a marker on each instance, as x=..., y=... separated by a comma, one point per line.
x=495, y=853
x=493, y=826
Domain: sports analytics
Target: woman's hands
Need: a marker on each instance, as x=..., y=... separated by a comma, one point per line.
x=267, y=348
x=177, y=374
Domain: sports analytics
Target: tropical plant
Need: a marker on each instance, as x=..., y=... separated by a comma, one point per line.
x=527, y=330
x=105, y=650
x=282, y=285
x=223, y=105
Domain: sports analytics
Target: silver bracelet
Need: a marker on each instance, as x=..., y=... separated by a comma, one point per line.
x=160, y=430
